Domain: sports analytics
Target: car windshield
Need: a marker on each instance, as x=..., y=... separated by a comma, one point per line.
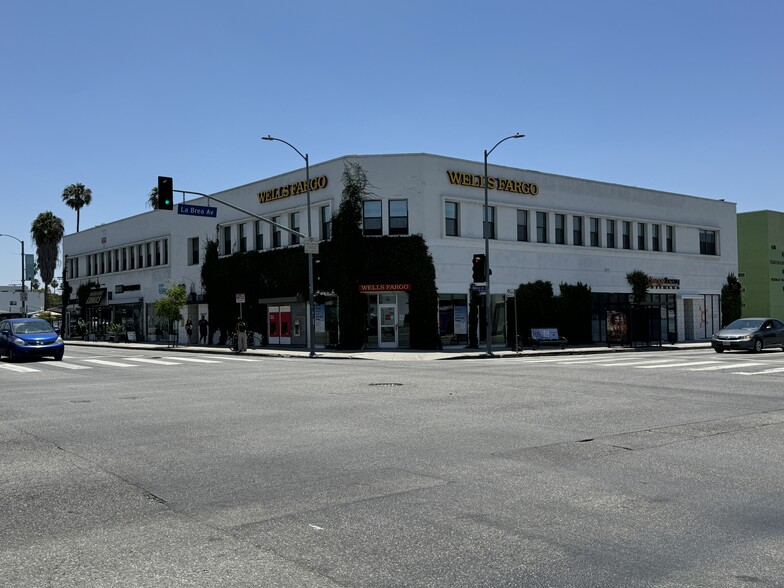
x=30, y=327
x=745, y=324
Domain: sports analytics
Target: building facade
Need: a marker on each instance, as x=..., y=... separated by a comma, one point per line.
x=761, y=263
x=541, y=227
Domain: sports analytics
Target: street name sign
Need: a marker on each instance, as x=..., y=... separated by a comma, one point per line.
x=193, y=210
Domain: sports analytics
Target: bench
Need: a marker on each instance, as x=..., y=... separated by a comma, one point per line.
x=547, y=337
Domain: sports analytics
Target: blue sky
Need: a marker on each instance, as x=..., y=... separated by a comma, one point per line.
x=684, y=96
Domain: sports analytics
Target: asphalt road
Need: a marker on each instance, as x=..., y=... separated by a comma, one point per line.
x=148, y=468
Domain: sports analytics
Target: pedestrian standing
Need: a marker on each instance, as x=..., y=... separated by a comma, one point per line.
x=242, y=335
x=203, y=330
x=188, y=331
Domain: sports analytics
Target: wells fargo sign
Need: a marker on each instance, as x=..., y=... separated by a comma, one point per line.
x=294, y=189
x=493, y=183
x=665, y=283
x=369, y=288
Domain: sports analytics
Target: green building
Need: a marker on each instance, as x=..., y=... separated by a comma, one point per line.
x=761, y=262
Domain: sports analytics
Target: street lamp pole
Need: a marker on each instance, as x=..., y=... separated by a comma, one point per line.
x=486, y=225
x=311, y=309
x=24, y=295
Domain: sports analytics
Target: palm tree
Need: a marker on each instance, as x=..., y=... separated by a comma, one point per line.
x=47, y=231
x=152, y=199
x=75, y=196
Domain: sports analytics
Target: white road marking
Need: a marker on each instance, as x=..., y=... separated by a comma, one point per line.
x=153, y=361
x=68, y=366
x=770, y=371
x=673, y=365
x=193, y=359
x=727, y=366
x=110, y=363
x=17, y=368
x=231, y=358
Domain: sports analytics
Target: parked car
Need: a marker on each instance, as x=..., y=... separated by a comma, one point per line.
x=751, y=334
x=21, y=338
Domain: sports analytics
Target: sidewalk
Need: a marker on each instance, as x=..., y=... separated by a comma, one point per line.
x=455, y=352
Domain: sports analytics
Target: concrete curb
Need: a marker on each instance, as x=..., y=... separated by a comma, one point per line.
x=392, y=354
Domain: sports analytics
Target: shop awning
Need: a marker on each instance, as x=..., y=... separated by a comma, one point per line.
x=96, y=296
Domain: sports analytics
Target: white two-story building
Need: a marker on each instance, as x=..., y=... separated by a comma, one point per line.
x=541, y=227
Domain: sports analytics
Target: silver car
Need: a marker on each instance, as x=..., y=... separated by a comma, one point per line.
x=751, y=334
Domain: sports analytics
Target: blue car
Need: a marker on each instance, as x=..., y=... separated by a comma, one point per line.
x=21, y=338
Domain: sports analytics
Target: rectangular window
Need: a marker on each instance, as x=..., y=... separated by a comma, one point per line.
x=577, y=230
x=522, y=225
x=626, y=234
x=641, y=236
x=326, y=223
x=610, y=233
x=226, y=240
x=193, y=251
x=668, y=237
x=243, y=238
x=259, y=236
x=149, y=254
x=165, y=252
x=275, y=232
x=541, y=227
x=594, y=231
x=140, y=252
x=124, y=258
x=560, y=229
x=708, y=242
x=398, y=217
x=452, y=219
x=117, y=260
x=131, y=257
x=89, y=265
x=371, y=217
x=294, y=226
x=655, y=237
x=490, y=222
x=157, y=253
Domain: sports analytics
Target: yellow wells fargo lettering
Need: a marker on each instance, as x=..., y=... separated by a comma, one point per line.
x=493, y=183
x=294, y=189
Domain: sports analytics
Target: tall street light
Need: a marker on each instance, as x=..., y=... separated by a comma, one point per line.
x=311, y=309
x=24, y=294
x=488, y=318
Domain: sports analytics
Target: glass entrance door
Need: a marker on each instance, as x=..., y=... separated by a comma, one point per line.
x=387, y=325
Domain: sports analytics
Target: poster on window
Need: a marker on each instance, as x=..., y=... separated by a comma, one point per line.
x=461, y=320
x=617, y=326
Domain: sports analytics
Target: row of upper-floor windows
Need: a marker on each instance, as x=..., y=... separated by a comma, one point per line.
x=538, y=226
x=120, y=259
x=258, y=235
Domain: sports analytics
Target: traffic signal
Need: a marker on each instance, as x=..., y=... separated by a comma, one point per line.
x=165, y=193
x=478, y=267
x=317, y=277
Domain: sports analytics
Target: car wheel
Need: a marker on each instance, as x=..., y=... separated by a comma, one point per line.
x=718, y=350
x=757, y=345
x=11, y=355
x=58, y=356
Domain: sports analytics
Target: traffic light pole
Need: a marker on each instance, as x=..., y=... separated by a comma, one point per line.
x=312, y=317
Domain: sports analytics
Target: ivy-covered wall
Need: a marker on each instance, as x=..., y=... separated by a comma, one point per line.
x=279, y=273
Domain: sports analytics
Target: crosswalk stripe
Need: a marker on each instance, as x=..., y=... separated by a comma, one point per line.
x=230, y=358
x=68, y=366
x=672, y=365
x=193, y=359
x=17, y=368
x=727, y=366
x=770, y=371
x=110, y=363
x=152, y=361
x=622, y=363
